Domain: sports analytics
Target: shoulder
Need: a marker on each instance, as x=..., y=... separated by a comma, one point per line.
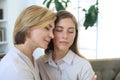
x=84, y=65
x=45, y=57
x=76, y=59
x=42, y=59
x=12, y=61
x=12, y=67
x=81, y=61
x=10, y=58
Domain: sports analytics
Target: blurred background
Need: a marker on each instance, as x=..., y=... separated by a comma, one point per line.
x=100, y=41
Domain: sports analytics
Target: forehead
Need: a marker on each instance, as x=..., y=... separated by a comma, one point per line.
x=66, y=22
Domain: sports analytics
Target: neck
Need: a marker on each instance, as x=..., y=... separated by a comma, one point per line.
x=58, y=54
x=27, y=50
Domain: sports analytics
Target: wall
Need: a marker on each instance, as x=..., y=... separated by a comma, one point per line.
x=109, y=41
x=14, y=9
x=108, y=27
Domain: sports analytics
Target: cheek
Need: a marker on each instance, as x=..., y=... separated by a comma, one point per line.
x=55, y=39
x=57, y=36
x=36, y=34
x=72, y=38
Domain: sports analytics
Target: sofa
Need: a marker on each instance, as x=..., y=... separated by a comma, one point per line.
x=106, y=69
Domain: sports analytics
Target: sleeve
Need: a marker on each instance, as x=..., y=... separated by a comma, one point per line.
x=12, y=74
x=26, y=75
x=86, y=73
x=22, y=74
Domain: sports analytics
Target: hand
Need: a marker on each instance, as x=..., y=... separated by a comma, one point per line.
x=94, y=77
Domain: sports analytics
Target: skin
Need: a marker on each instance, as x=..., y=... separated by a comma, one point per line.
x=40, y=37
x=64, y=34
x=36, y=38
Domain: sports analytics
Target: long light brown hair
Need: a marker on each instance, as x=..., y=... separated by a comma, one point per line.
x=62, y=15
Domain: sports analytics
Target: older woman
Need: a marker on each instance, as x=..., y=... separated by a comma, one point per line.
x=33, y=29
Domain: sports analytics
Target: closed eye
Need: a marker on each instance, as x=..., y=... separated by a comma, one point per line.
x=47, y=28
x=71, y=30
x=58, y=29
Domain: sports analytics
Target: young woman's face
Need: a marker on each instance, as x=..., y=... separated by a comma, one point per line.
x=64, y=34
x=40, y=37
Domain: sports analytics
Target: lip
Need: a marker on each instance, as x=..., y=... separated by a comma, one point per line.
x=64, y=42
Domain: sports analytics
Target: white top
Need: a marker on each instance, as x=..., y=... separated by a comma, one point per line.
x=71, y=67
x=16, y=66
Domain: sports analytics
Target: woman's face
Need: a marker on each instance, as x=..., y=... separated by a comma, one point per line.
x=64, y=34
x=40, y=37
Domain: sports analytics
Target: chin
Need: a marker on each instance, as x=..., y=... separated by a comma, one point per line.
x=63, y=48
x=44, y=47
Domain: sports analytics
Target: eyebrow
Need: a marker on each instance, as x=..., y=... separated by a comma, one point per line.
x=71, y=27
x=63, y=27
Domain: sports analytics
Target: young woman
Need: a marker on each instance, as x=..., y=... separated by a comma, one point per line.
x=62, y=60
x=33, y=29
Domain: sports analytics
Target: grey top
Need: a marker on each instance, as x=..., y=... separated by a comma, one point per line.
x=17, y=66
x=71, y=67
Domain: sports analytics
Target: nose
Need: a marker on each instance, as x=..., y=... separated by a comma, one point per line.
x=51, y=34
x=65, y=35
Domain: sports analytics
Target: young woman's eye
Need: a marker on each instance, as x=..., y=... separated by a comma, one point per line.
x=58, y=29
x=71, y=31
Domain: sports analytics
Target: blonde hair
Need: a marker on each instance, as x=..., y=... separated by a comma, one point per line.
x=31, y=17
